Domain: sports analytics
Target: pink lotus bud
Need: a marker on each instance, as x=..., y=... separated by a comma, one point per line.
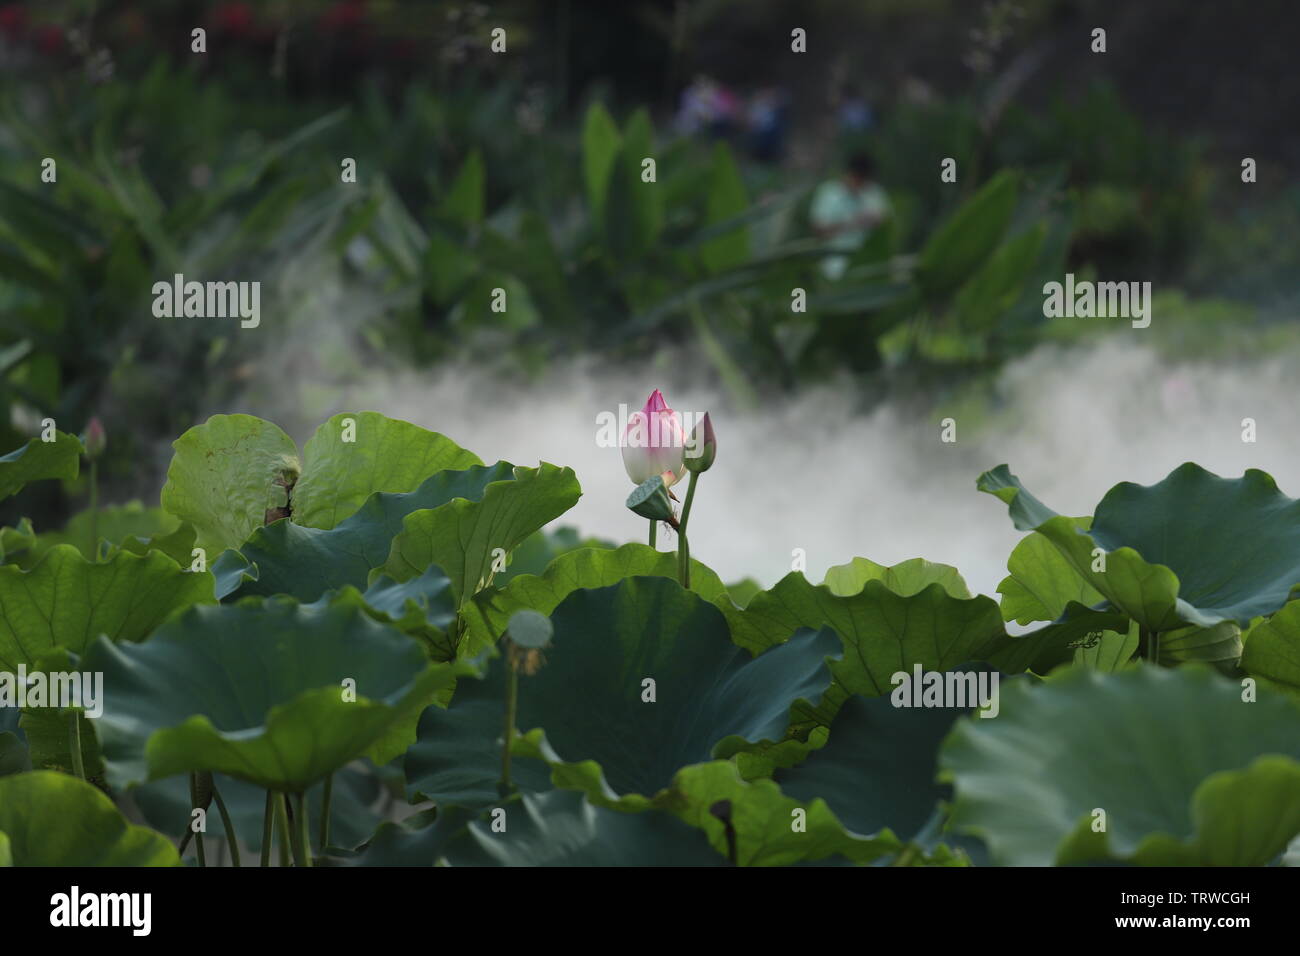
x=703, y=447
x=654, y=442
x=95, y=439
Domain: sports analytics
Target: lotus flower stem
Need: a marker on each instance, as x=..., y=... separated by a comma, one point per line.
x=282, y=828
x=232, y=840
x=654, y=527
x=94, y=510
x=512, y=706
x=325, y=812
x=74, y=743
x=1153, y=646
x=302, y=841
x=683, y=547
x=268, y=819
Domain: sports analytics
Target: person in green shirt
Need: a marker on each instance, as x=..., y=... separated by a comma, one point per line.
x=845, y=210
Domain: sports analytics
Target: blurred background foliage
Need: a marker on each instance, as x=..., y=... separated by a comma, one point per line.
x=523, y=171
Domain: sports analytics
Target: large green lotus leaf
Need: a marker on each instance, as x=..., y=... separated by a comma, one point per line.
x=1273, y=648
x=766, y=826
x=563, y=829
x=906, y=578
x=1242, y=818
x=39, y=460
x=486, y=616
x=1042, y=582
x=386, y=455
x=883, y=632
x=463, y=537
x=256, y=691
x=52, y=819
x=711, y=698
x=879, y=767
x=306, y=562
x=226, y=474
x=1168, y=546
x=1136, y=744
x=67, y=601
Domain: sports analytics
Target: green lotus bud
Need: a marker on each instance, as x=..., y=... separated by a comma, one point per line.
x=702, y=448
x=650, y=500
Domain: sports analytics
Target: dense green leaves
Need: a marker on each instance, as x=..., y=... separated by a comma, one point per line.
x=655, y=725
x=487, y=614
x=883, y=632
x=1192, y=549
x=276, y=694
x=765, y=826
x=963, y=243
x=664, y=687
x=1146, y=746
x=879, y=768
x=467, y=538
x=306, y=562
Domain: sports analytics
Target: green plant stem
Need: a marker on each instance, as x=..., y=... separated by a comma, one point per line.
x=199, y=850
x=512, y=704
x=683, y=561
x=325, y=812
x=74, y=743
x=303, y=827
x=94, y=510
x=282, y=828
x=232, y=840
x=654, y=527
x=1153, y=646
x=683, y=546
x=268, y=820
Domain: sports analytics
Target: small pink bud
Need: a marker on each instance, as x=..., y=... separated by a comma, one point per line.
x=95, y=439
x=654, y=442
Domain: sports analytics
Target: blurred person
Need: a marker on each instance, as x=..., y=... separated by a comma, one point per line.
x=854, y=115
x=768, y=121
x=846, y=209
